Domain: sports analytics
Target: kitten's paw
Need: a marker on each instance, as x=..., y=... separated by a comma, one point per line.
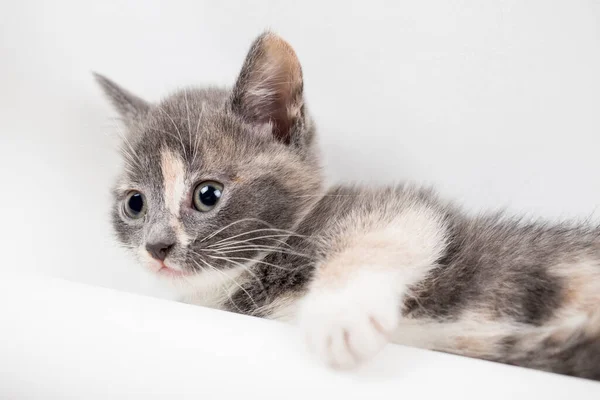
x=348, y=325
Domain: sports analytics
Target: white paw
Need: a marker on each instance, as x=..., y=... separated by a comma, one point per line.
x=348, y=325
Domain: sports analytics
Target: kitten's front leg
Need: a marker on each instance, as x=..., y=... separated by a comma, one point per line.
x=353, y=304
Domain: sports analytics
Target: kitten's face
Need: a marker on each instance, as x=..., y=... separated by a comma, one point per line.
x=214, y=179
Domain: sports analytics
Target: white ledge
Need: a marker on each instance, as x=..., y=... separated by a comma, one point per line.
x=67, y=340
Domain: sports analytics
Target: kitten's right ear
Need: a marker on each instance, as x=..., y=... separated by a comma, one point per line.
x=131, y=108
x=269, y=88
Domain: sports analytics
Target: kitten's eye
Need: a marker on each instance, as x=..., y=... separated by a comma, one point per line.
x=135, y=205
x=207, y=195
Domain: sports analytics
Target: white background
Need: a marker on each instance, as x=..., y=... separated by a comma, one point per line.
x=495, y=102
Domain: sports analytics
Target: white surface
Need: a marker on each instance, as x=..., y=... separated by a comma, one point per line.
x=71, y=341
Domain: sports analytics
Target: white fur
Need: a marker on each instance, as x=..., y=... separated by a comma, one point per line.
x=284, y=309
x=338, y=321
x=211, y=288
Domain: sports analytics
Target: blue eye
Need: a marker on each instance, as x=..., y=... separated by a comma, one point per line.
x=135, y=205
x=207, y=195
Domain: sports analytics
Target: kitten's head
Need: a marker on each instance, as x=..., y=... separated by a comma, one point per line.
x=215, y=178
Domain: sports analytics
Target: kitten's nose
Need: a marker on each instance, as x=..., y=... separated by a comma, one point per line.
x=159, y=250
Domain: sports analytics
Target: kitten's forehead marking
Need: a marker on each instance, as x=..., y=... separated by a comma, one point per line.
x=173, y=172
x=182, y=235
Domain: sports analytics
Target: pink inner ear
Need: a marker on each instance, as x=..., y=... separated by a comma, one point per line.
x=269, y=89
x=275, y=110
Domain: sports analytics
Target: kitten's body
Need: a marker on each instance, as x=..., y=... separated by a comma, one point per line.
x=355, y=266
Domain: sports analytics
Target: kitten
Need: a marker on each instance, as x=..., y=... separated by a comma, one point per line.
x=222, y=193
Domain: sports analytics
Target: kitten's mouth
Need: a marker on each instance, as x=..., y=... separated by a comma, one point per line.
x=168, y=271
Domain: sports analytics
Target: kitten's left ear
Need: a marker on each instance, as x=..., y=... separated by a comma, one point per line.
x=269, y=87
x=131, y=108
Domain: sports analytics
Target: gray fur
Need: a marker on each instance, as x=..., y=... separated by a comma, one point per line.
x=132, y=109
x=262, y=151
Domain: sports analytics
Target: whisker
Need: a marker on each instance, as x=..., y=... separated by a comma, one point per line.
x=227, y=258
x=223, y=228
x=250, y=241
x=198, y=131
x=225, y=246
x=260, y=230
x=279, y=250
x=187, y=109
x=247, y=220
x=131, y=153
x=244, y=266
x=171, y=134
x=177, y=129
x=325, y=195
x=195, y=273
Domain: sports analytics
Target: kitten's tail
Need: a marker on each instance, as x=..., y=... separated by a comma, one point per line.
x=572, y=348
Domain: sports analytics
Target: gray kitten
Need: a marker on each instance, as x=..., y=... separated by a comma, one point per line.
x=222, y=193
